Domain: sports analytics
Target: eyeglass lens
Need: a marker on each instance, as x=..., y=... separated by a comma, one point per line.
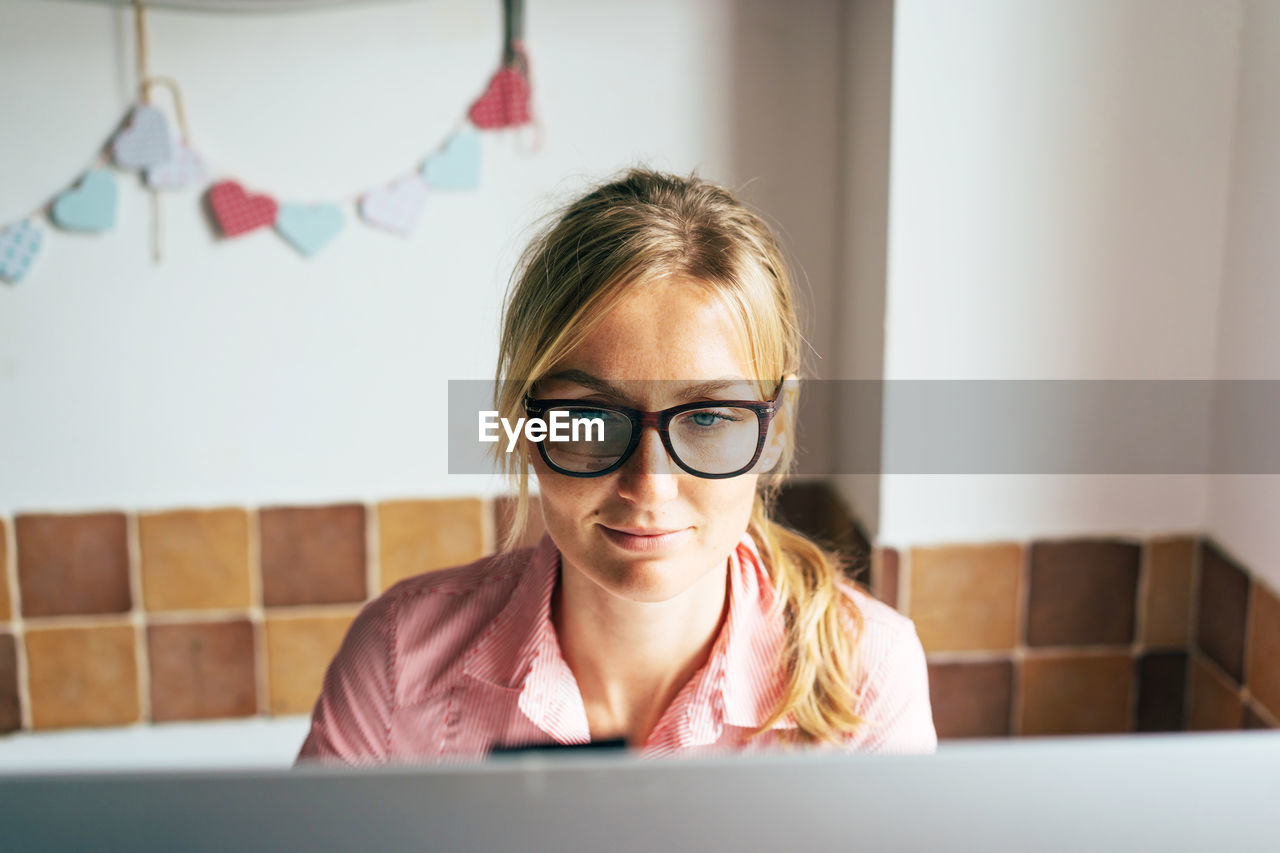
x=711, y=440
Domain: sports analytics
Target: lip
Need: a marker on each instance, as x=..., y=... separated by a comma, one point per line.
x=644, y=539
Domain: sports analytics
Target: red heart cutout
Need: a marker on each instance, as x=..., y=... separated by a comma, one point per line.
x=238, y=212
x=505, y=103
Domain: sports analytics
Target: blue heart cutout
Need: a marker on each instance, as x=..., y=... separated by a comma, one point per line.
x=19, y=245
x=309, y=228
x=457, y=165
x=90, y=206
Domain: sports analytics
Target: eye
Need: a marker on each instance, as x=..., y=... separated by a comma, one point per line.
x=712, y=417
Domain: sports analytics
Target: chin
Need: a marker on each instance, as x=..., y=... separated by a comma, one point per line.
x=644, y=578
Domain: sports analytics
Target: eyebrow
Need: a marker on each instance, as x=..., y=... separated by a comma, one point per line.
x=595, y=383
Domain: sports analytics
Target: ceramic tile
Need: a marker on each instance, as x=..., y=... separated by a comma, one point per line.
x=425, y=535
x=6, y=607
x=965, y=597
x=82, y=676
x=73, y=564
x=202, y=670
x=1212, y=702
x=1167, y=593
x=1263, y=676
x=1162, y=680
x=10, y=709
x=1082, y=592
x=195, y=559
x=1076, y=694
x=503, y=514
x=1224, y=601
x=971, y=699
x=299, y=649
x=313, y=555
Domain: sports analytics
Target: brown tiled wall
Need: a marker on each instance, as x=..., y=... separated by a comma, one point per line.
x=1088, y=636
x=117, y=619
x=422, y=536
x=6, y=610
x=987, y=578
x=195, y=560
x=1234, y=681
x=73, y=564
x=111, y=619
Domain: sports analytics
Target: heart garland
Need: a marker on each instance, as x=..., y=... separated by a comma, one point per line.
x=505, y=103
x=146, y=144
x=457, y=165
x=90, y=206
x=237, y=212
x=309, y=229
x=184, y=169
x=19, y=245
x=396, y=208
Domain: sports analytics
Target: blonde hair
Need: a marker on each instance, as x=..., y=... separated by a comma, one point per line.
x=648, y=225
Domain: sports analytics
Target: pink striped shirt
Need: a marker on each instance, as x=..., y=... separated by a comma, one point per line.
x=450, y=664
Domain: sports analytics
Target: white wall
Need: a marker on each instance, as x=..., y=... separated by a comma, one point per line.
x=241, y=373
x=785, y=116
x=863, y=226
x=1243, y=509
x=1057, y=211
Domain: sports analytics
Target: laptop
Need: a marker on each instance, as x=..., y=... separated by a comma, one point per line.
x=1174, y=792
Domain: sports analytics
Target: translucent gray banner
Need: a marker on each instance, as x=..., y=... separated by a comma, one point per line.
x=989, y=426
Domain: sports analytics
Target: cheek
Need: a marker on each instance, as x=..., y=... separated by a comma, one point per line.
x=566, y=500
x=725, y=505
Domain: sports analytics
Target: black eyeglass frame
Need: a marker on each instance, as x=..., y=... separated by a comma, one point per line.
x=765, y=412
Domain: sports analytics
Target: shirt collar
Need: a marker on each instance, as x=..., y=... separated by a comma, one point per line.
x=740, y=685
x=741, y=682
x=511, y=644
x=753, y=640
x=519, y=651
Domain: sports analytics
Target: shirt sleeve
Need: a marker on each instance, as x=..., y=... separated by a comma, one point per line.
x=351, y=722
x=895, y=701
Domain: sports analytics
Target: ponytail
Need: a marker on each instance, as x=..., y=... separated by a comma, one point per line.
x=823, y=625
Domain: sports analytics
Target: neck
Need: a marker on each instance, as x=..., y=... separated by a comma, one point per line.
x=631, y=658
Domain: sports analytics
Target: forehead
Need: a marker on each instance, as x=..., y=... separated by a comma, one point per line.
x=664, y=330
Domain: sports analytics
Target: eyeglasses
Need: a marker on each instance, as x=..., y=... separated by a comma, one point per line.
x=714, y=440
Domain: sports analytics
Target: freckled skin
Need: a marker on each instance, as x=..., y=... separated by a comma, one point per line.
x=664, y=330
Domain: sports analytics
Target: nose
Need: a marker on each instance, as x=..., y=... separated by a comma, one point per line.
x=649, y=476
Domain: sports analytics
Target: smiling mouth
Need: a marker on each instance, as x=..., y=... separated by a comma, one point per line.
x=645, y=531
x=644, y=539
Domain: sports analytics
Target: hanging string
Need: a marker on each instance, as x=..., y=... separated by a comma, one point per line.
x=140, y=48
x=144, y=96
x=176, y=94
x=514, y=56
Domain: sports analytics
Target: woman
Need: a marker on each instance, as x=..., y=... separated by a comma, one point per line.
x=663, y=605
